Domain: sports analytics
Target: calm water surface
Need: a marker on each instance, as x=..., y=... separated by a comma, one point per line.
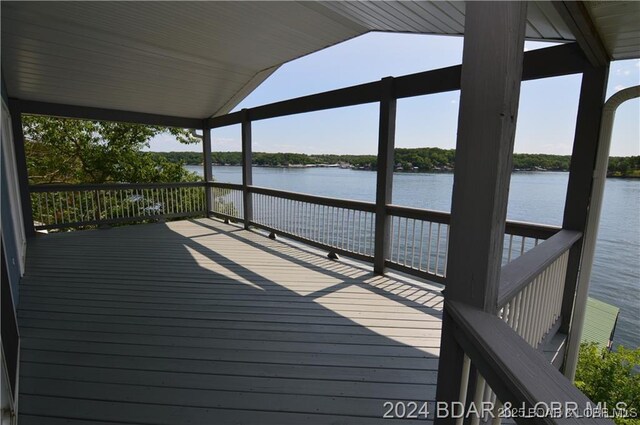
x=534, y=196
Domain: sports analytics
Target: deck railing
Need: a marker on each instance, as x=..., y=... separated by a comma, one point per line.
x=532, y=287
x=418, y=239
x=340, y=226
x=227, y=201
x=530, y=304
x=77, y=206
x=513, y=379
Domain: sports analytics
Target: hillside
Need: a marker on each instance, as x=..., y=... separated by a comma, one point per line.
x=413, y=159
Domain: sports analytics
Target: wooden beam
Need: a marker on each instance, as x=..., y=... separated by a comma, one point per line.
x=21, y=167
x=384, y=174
x=579, y=188
x=565, y=59
x=542, y=63
x=100, y=114
x=576, y=16
x=247, y=170
x=490, y=90
x=225, y=120
x=355, y=95
x=484, y=150
x=207, y=164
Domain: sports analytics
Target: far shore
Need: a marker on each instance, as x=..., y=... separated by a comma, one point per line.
x=401, y=170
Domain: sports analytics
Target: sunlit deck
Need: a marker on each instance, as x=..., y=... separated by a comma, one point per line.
x=201, y=322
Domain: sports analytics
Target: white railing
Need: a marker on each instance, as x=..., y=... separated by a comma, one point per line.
x=420, y=238
x=530, y=303
x=417, y=239
x=77, y=206
x=337, y=225
x=532, y=288
x=536, y=308
x=226, y=201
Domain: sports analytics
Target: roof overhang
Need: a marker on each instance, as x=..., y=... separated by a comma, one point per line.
x=200, y=59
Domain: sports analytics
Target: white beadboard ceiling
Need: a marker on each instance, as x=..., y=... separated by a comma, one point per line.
x=200, y=59
x=618, y=24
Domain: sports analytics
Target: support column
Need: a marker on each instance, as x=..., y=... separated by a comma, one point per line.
x=21, y=167
x=490, y=90
x=247, y=171
x=384, y=174
x=208, y=171
x=578, y=202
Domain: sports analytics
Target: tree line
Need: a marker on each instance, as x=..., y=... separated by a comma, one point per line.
x=406, y=159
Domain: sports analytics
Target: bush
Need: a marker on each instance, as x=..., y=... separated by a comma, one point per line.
x=610, y=378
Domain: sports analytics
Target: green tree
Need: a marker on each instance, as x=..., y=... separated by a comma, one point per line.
x=81, y=151
x=611, y=378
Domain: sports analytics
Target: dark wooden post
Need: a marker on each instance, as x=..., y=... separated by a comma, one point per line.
x=490, y=90
x=247, y=172
x=21, y=167
x=384, y=188
x=576, y=210
x=206, y=161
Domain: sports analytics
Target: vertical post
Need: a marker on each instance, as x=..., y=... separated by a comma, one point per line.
x=208, y=171
x=247, y=171
x=21, y=167
x=384, y=175
x=490, y=90
x=578, y=204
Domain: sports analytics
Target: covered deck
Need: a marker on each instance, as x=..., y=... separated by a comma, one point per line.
x=197, y=321
x=205, y=323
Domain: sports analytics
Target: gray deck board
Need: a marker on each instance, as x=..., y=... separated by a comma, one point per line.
x=198, y=322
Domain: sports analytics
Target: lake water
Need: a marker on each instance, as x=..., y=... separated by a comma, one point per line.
x=534, y=196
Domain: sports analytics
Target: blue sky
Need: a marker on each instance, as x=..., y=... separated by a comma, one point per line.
x=545, y=124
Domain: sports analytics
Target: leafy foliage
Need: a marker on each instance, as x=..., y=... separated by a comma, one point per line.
x=70, y=151
x=414, y=159
x=611, y=378
x=624, y=166
x=79, y=151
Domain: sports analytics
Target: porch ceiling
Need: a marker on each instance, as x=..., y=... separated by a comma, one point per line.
x=200, y=59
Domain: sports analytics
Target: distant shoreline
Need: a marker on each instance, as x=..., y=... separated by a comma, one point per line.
x=433, y=171
x=405, y=160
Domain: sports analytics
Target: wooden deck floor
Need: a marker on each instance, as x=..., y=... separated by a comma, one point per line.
x=198, y=322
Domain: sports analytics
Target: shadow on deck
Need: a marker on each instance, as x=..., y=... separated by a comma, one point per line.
x=200, y=322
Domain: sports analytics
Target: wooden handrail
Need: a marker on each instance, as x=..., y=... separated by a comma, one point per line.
x=40, y=188
x=516, y=228
x=314, y=199
x=524, y=269
x=516, y=372
x=531, y=230
x=233, y=186
x=419, y=214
